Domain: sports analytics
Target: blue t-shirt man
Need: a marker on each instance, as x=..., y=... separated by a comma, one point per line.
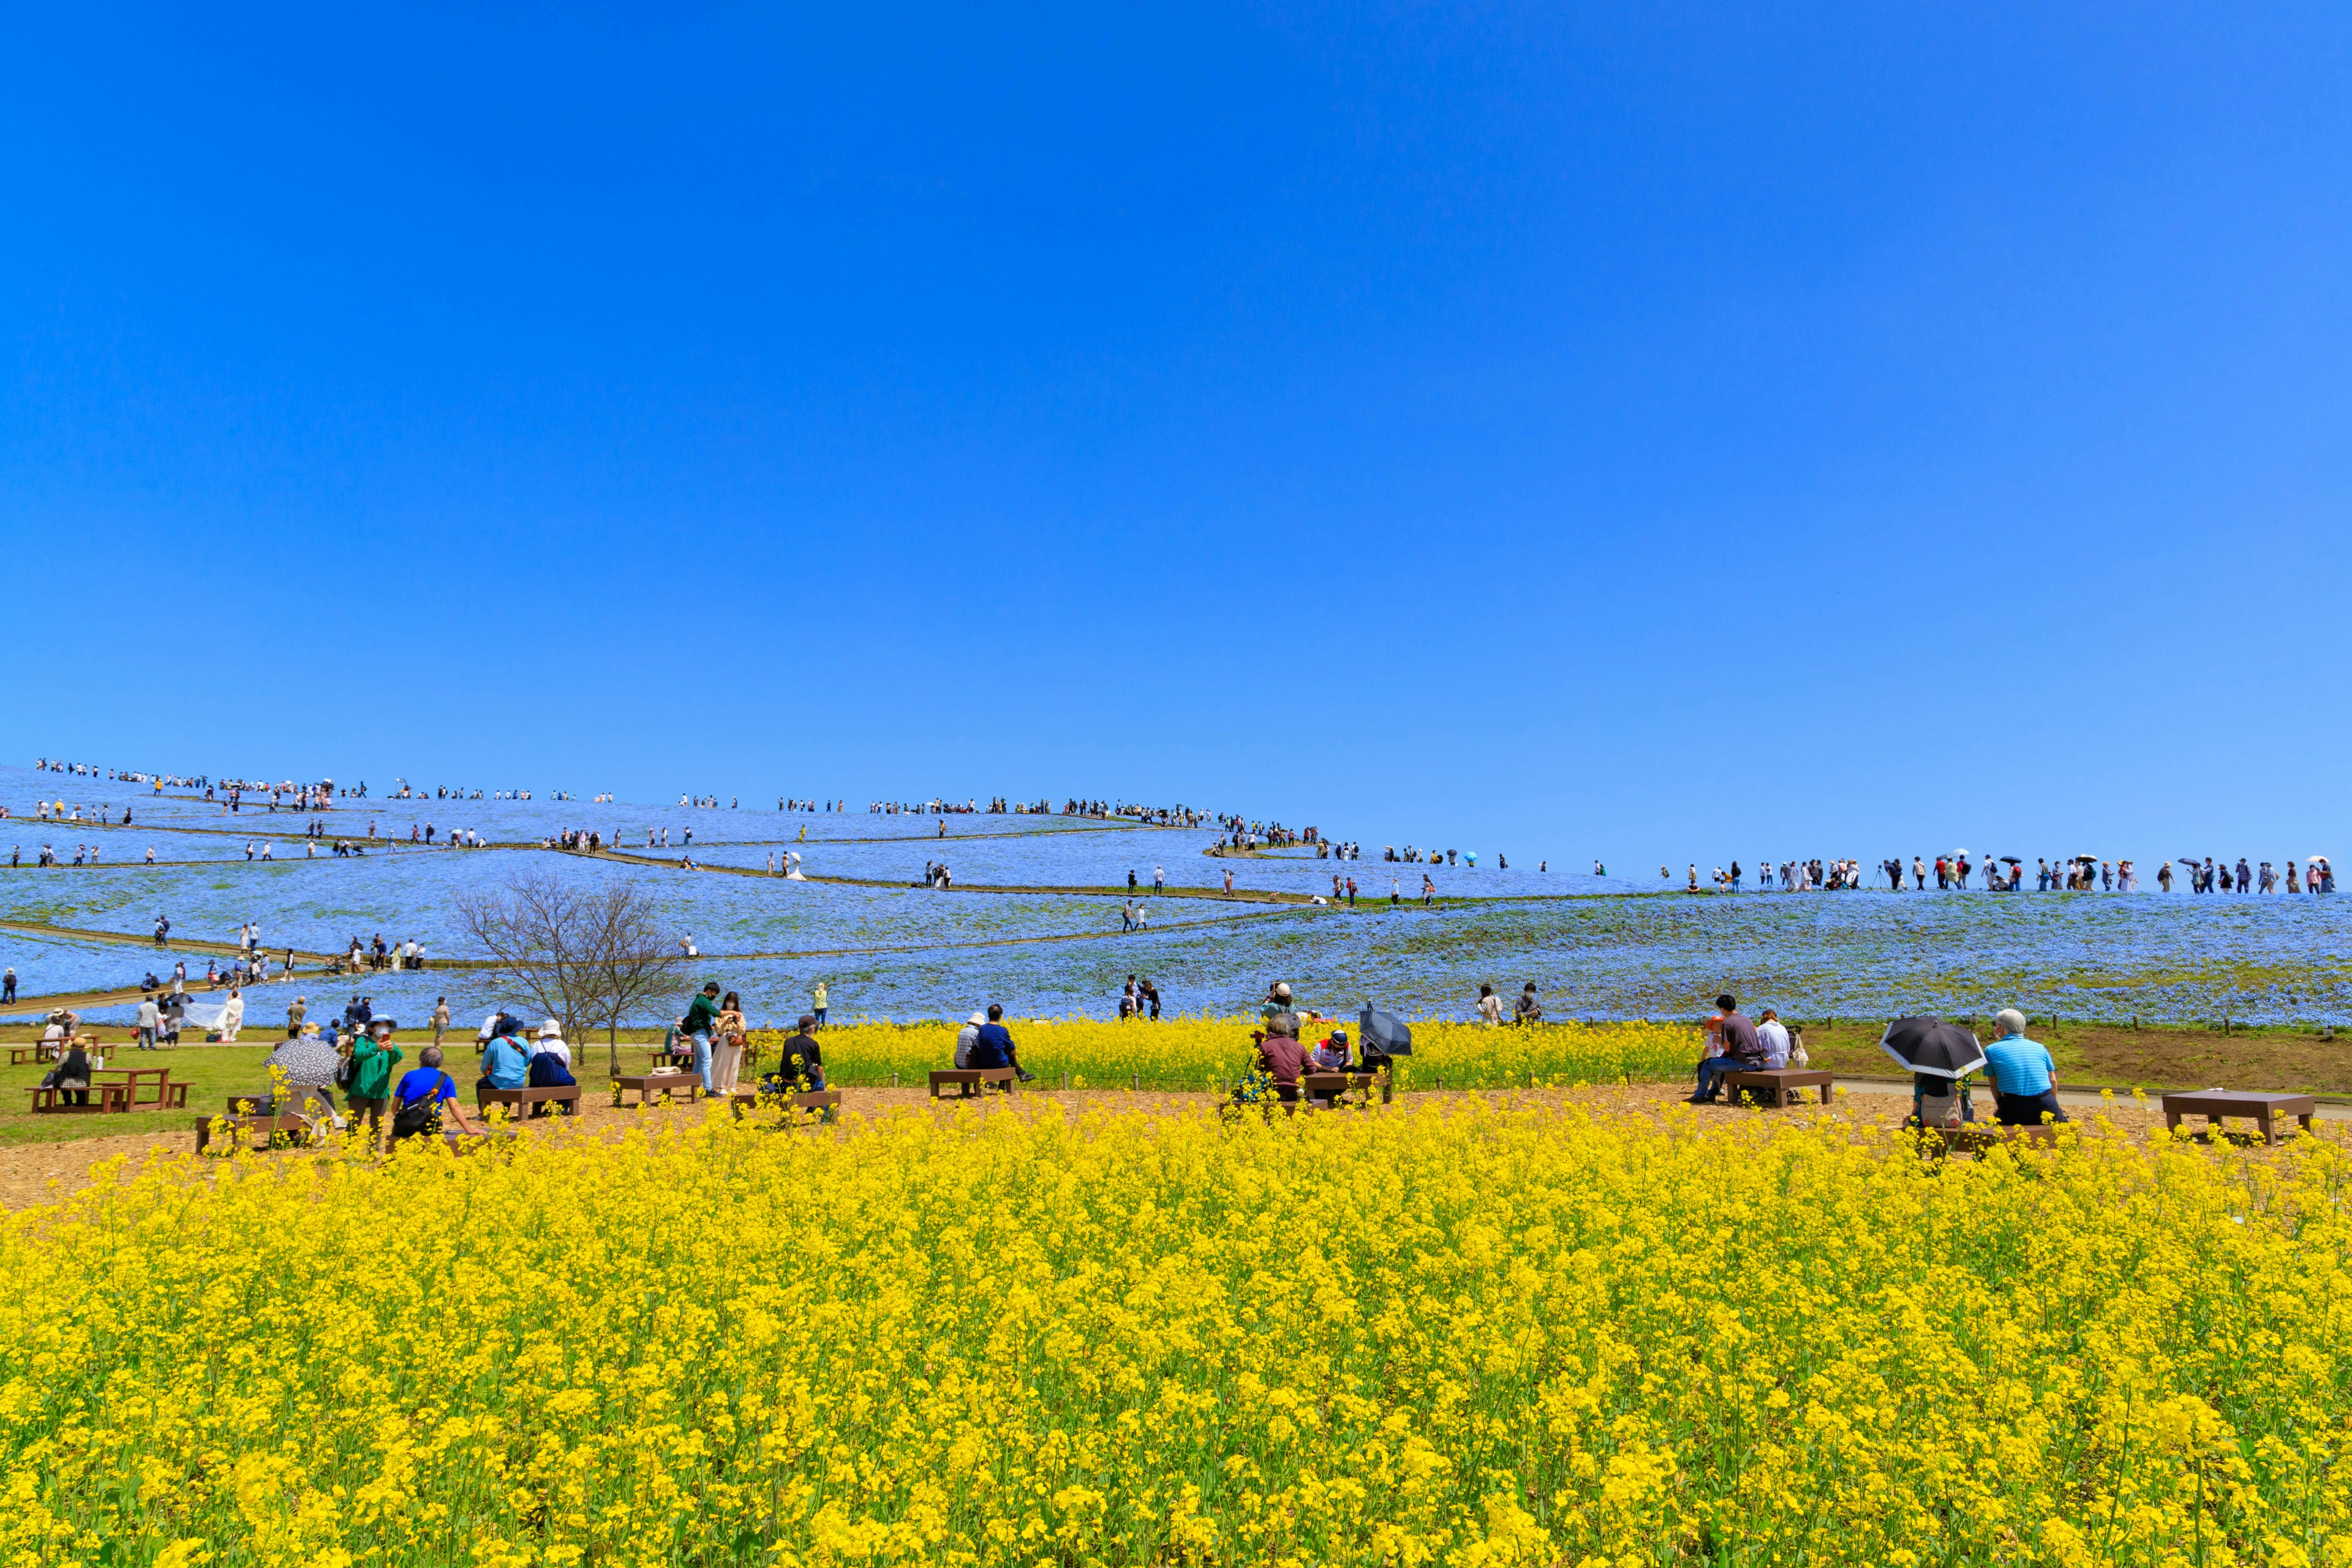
x=2020, y=1065
x=2022, y=1075
x=423, y=1083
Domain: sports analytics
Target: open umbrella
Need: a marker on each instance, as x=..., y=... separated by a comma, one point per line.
x=1385, y=1034
x=1932, y=1046
x=2012, y=859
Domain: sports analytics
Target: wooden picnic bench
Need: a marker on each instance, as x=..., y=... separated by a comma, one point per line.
x=2265, y=1110
x=1331, y=1089
x=825, y=1101
x=169, y=1096
x=970, y=1082
x=266, y=1127
x=106, y=1097
x=39, y=1051
x=1779, y=1086
x=649, y=1084
x=566, y=1094
x=1977, y=1138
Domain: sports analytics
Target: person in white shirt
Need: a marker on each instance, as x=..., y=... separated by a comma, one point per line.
x=1774, y=1037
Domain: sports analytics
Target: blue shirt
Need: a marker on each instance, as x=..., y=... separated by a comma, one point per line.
x=423, y=1083
x=2020, y=1065
x=504, y=1065
x=992, y=1046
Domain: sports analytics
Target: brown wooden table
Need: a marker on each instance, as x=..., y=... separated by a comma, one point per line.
x=2265, y=1110
x=826, y=1102
x=649, y=1084
x=1332, y=1088
x=1784, y=1086
x=267, y=1126
x=970, y=1081
x=39, y=1051
x=134, y=1077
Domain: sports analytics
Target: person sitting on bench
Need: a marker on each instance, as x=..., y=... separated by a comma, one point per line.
x=505, y=1064
x=2024, y=1092
x=1331, y=1056
x=994, y=1046
x=1282, y=1057
x=551, y=1058
x=1742, y=1051
x=70, y=1077
x=424, y=1096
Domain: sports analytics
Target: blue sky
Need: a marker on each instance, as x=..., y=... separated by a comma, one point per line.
x=1656, y=433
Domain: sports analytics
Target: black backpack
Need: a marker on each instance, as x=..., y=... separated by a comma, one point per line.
x=421, y=1116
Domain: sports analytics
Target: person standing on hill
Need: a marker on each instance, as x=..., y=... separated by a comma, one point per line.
x=816, y=995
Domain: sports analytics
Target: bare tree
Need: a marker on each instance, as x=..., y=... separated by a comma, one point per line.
x=586, y=954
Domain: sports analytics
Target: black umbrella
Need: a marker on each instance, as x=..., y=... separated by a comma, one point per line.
x=1385, y=1034
x=2012, y=859
x=1932, y=1046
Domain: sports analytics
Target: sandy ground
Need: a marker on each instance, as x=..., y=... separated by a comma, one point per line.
x=41, y=1174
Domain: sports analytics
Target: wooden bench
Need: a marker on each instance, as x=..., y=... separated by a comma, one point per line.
x=168, y=1095
x=1978, y=1138
x=649, y=1084
x=2266, y=1110
x=825, y=1101
x=105, y=1096
x=1783, y=1085
x=970, y=1082
x=39, y=1051
x=267, y=1126
x=566, y=1094
x=1330, y=1090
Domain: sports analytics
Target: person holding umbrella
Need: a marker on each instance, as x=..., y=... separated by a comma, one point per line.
x=2024, y=1091
x=1939, y=1057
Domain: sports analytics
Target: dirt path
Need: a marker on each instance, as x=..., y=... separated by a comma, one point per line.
x=40, y=1173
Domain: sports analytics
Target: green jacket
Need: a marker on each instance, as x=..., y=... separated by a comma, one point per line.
x=699, y=1015
x=375, y=1062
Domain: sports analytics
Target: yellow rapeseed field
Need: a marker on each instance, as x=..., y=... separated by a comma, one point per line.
x=1193, y=1053
x=1432, y=1334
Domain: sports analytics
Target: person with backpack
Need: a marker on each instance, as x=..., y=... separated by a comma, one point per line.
x=424, y=1095
x=366, y=1076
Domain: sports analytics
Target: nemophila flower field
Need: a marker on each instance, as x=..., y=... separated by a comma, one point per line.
x=1453, y=1333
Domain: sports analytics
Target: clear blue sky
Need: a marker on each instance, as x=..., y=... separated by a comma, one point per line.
x=1656, y=432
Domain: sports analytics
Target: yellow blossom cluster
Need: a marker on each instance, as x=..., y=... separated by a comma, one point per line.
x=1442, y=1333
x=1195, y=1053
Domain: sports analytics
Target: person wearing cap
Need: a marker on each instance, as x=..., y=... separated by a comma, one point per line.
x=2022, y=1075
x=551, y=1062
x=965, y=1036
x=372, y=1058
x=1331, y=1056
x=1277, y=1001
x=505, y=1063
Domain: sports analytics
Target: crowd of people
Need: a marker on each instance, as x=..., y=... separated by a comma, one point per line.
x=2005, y=873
